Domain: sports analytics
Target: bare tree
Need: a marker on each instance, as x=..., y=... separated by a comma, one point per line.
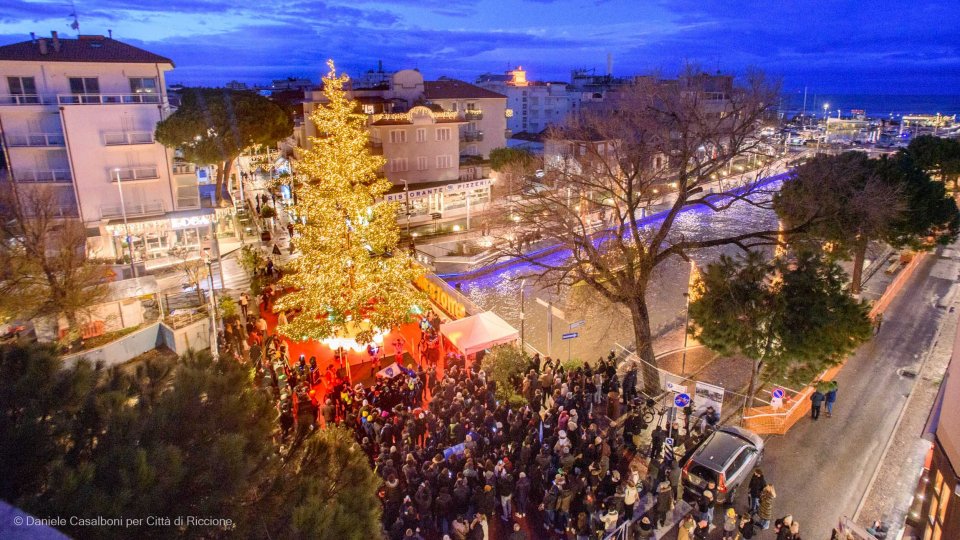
x=192, y=267
x=662, y=139
x=46, y=268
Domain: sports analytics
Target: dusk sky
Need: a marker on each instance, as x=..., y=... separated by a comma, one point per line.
x=840, y=46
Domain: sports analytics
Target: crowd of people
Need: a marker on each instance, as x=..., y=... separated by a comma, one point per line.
x=565, y=459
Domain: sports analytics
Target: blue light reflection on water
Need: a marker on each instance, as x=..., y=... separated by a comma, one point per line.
x=512, y=269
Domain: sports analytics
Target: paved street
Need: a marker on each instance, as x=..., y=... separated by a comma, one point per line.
x=821, y=469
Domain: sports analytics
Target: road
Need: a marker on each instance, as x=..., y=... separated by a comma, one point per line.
x=822, y=468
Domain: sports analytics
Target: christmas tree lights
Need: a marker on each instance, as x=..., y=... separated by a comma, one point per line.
x=350, y=279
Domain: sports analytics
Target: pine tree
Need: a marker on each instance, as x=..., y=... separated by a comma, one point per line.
x=350, y=270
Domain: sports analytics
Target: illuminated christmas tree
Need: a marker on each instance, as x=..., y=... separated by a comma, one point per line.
x=350, y=279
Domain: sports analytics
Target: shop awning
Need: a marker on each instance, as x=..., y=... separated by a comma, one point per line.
x=475, y=333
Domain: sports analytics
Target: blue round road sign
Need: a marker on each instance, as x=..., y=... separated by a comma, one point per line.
x=682, y=400
x=778, y=393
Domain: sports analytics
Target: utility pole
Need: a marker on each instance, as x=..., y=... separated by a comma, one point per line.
x=523, y=285
x=126, y=227
x=214, y=345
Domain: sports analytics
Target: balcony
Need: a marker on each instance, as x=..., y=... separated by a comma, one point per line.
x=133, y=209
x=23, y=99
x=119, y=138
x=108, y=99
x=472, y=136
x=36, y=140
x=43, y=176
x=507, y=133
x=134, y=174
x=473, y=114
x=182, y=167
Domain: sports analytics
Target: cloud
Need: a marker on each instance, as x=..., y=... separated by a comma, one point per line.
x=842, y=43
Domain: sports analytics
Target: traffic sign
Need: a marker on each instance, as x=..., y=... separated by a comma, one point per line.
x=570, y=335
x=676, y=388
x=778, y=393
x=578, y=324
x=681, y=400
x=668, y=441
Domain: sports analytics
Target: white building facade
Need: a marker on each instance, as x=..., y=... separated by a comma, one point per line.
x=436, y=137
x=78, y=115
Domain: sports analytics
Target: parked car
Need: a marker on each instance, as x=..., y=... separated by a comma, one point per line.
x=726, y=457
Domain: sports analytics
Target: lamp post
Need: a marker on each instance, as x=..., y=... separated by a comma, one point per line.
x=523, y=285
x=406, y=196
x=126, y=227
x=214, y=345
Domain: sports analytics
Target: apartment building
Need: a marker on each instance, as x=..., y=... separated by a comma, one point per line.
x=532, y=106
x=78, y=115
x=435, y=136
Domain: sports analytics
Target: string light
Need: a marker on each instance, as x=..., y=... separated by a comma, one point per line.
x=349, y=267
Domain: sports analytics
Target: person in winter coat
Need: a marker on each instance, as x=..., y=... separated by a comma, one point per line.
x=757, y=483
x=461, y=527
x=831, y=398
x=644, y=529
x=630, y=497
x=484, y=501
x=765, y=511
x=816, y=400
x=664, y=502
x=505, y=488
x=517, y=534
x=521, y=494
x=610, y=520
x=747, y=528
x=686, y=527
x=730, y=524
x=781, y=527
x=702, y=532
x=705, y=506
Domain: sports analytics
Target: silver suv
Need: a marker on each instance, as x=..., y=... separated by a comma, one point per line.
x=726, y=457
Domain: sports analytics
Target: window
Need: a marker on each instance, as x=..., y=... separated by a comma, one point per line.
x=368, y=109
x=398, y=165
x=444, y=162
x=443, y=134
x=21, y=86
x=143, y=85
x=421, y=134
x=84, y=85
x=398, y=136
x=453, y=106
x=421, y=163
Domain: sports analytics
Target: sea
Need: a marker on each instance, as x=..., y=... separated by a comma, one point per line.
x=875, y=105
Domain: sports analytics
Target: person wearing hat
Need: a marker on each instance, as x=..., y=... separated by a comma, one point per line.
x=730, y=524
x=521, y=492
x=664, y=502
x=644, y=529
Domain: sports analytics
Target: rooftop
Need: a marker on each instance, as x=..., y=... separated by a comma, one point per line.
x=94, y=49
x=456, y=89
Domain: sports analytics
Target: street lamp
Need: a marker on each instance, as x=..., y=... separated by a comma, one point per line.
x=826, y=107
x=214, y=345
x=126, y=227
x=523, y=285
x=406, y=193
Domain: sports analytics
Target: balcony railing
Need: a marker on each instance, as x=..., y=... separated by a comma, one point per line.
x=117, y=138
x=472, y=136
x=131, y=174
x=107, y=99
x=36, y=140
x=184, y=168
x=146, y=208
x=22, y=99
x=188, y=202
x=44, y=176
x=473, y=114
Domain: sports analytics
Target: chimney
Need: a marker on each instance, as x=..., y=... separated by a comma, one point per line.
x=110, y=32
x=43, y=46
x=33, y=37
x=56, y=40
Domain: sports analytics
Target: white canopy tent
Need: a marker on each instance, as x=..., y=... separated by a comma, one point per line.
x=475, y=333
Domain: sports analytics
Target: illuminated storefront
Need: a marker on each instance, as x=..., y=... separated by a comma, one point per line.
x=448, y=200
x=153, y=239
